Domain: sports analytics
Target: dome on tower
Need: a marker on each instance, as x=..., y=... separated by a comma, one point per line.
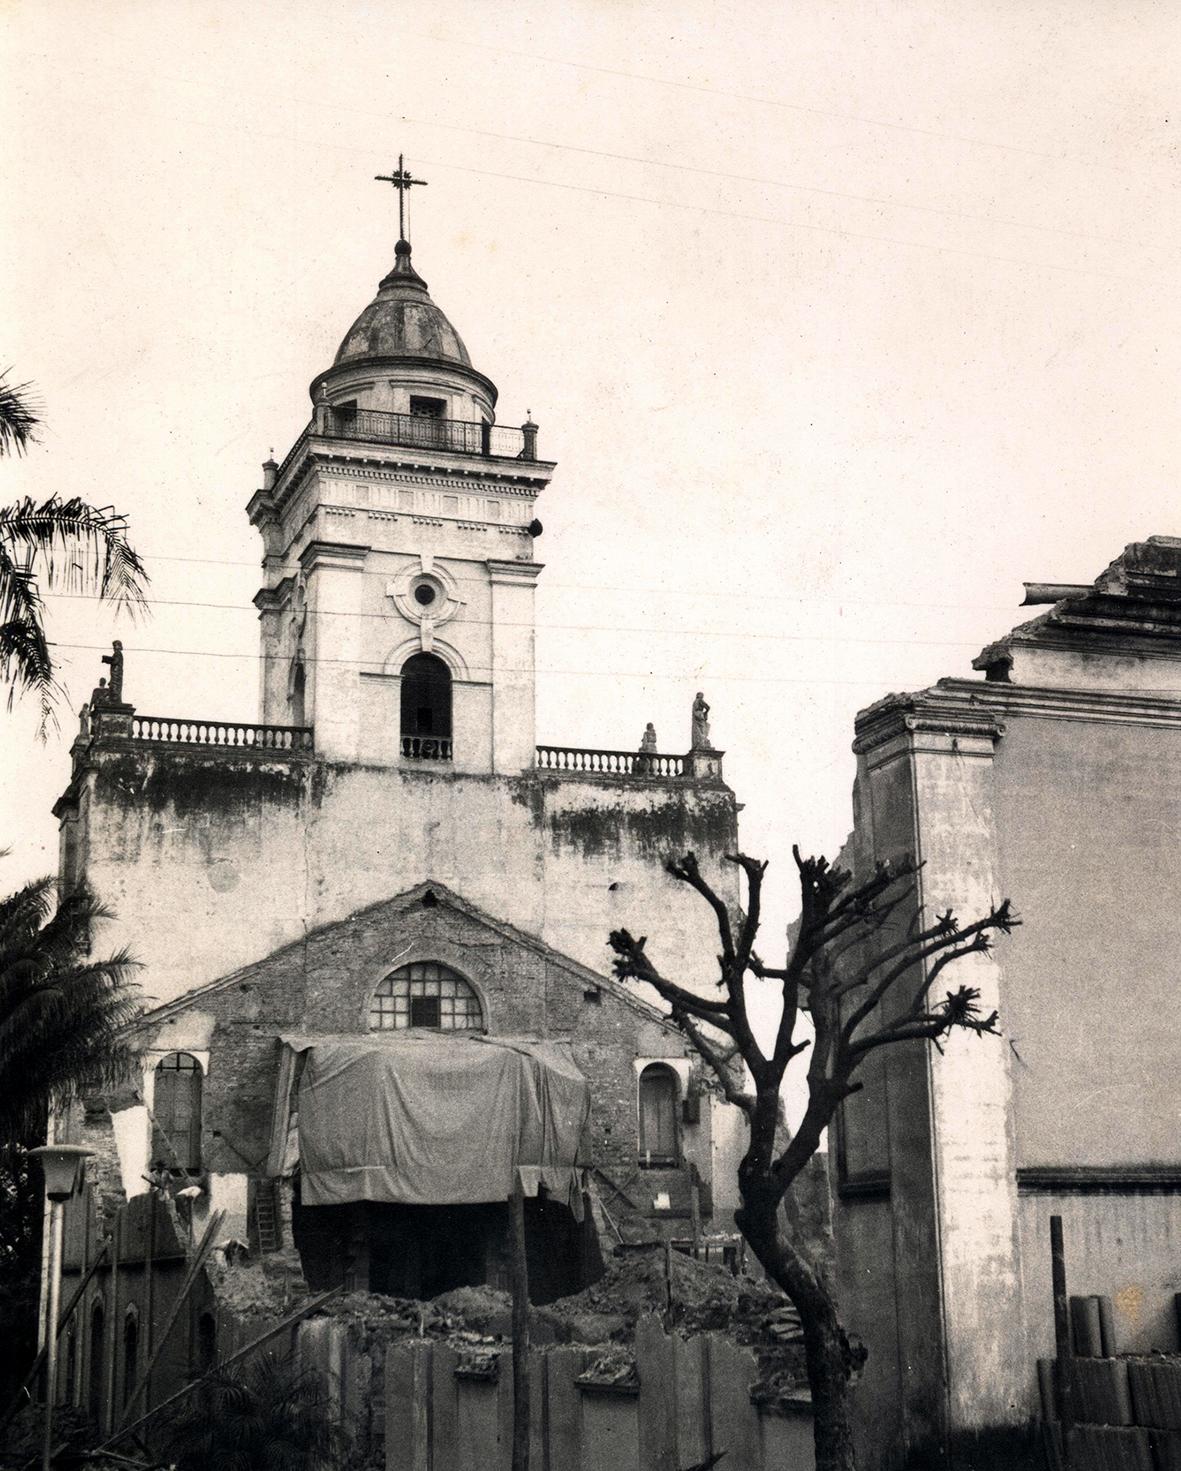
x=402, y=322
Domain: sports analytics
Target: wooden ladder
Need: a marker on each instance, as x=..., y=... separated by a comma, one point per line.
x=266, y=1215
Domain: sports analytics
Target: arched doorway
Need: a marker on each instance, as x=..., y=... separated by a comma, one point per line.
x=659, y=1134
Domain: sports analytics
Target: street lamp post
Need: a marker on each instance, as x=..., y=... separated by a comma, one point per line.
x=60, y=1163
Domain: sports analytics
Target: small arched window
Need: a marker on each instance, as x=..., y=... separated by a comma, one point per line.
x=425, y=995
x=176, y=1110
x=659, y=1135
x=426, y=708
x=95, y=1359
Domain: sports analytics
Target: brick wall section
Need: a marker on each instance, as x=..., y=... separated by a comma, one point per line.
x=324, y=985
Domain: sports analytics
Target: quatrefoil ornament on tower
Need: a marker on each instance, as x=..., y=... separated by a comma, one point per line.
x=426, y=595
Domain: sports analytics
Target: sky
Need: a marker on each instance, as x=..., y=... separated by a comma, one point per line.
x=840, y=321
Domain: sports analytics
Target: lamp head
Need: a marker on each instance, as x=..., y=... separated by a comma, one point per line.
x=60, y=1163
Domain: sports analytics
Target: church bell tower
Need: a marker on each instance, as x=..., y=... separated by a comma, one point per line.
x=397, y=610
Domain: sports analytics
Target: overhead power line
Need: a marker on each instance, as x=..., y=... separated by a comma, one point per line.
x=633, y=588
x=730, y=214
x=240, y=131
x=599, y=628
x=685, y=676
x=689, y=168
x=785, y=105
x=617, y=627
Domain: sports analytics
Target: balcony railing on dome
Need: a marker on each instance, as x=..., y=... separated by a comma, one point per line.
x=609, y=763
x=418, y=431
x=426, y=748
x=167, y=731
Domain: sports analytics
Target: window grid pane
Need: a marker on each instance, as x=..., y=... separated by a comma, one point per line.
x=419, y=989
x=177, y=1112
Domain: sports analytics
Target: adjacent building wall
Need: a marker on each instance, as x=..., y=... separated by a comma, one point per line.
x=1065, y=797
x=1088, y=814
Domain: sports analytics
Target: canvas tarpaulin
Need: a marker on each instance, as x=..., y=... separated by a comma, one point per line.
x=439, y=1121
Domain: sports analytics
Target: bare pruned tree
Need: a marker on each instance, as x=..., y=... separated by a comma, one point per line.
x=863, y=962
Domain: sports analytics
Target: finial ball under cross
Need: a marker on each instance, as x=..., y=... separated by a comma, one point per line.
x=402, y=180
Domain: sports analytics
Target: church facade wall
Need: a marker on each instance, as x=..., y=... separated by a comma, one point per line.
x=323, y=986
x=241, y=855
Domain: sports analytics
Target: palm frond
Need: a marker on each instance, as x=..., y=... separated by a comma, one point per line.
x=19, y=416
x=22, y=914
x=63, y=1016
x=20, y=597
x=26, y=667
x=256, y=1416
x=77, y=547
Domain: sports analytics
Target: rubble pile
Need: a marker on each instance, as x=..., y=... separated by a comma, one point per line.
x=704, y=1298
x=690, y=1296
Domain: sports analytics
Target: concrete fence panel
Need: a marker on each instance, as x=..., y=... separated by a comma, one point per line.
x=449, y=1407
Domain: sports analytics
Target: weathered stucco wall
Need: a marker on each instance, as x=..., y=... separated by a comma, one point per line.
x=240, y=856
x=1087, y=818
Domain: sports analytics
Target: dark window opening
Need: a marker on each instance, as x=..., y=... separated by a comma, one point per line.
x=345, y=415
x=94, y=1390
x=424, y=594
x=426, y=707
x=68, y=1389
x=130, y=1354
x=206, y=1344
x=176, y=1110
x=298, y=708
x=427, y=408
x=659, y=1136
x=425, y=1011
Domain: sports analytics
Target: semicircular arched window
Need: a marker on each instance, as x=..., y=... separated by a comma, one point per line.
x=426, y=708
x=425, y=995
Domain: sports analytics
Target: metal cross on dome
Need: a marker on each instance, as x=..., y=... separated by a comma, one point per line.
x=402, y=180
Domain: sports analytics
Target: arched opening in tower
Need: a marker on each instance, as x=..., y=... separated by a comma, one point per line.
x=426, y=706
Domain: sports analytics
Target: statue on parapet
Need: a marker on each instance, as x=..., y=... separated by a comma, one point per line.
x=643, y=762
x=700, y=741
x=115, y=660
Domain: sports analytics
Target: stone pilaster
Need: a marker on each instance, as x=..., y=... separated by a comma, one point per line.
x=513, y=654
x=926, y=774
x=336, y=617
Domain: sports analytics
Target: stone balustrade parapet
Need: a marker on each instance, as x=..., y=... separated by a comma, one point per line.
x=578, y=761
x=166, y=730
